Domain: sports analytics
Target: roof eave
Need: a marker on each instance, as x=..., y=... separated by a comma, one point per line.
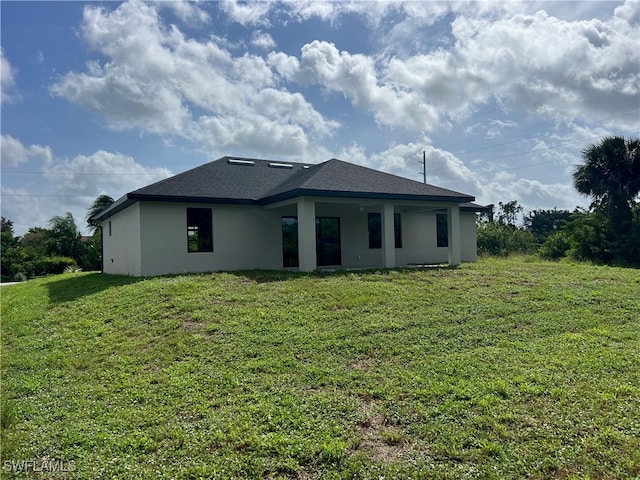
x=191, y=199
x=364, y=195
x=131, y=198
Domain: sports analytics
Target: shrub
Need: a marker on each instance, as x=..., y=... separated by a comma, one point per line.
x=53, y=265
x=502, y=240
x=555, y=246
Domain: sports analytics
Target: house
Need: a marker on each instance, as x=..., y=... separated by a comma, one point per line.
x=240, y=213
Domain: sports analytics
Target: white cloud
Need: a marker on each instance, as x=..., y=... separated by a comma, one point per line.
x=13, y=152
x=156, y=77
x=188, y=11
x=262, y=40
x=250, y=133
x=7, y=81
x=62, y=185
x=102, y=172
x=535, y=63
x=355, y=76
x=530, y=62
x=247, y=13
x=26, y=210
x=72, y=185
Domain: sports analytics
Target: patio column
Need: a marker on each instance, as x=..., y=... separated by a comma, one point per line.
x=306, y=235
x=453, y=232
x=388, y=237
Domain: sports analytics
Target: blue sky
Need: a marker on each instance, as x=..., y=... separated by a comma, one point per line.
x=106, y=97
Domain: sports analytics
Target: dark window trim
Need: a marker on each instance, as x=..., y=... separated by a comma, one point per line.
x=442, y=230
x=397, y=230
x=199, y=220
x=290, y=259
x=374, y=226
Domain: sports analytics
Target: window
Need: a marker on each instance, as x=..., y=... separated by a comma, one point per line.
x=442, y=230
x=397, y=229
x=290, y=242
x=375, y=230
x=109, y=227
x=199, y=230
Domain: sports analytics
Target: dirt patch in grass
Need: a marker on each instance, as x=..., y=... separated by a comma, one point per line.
x=381, y=441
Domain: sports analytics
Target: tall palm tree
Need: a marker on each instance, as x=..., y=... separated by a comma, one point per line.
x=611, y=175
x=98, y=205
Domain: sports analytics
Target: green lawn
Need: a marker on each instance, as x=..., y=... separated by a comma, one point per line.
x=500, y=369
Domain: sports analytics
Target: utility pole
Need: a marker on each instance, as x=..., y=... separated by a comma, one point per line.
x=424, y=166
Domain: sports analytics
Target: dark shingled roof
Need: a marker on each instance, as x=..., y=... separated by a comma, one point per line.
x=260, y=182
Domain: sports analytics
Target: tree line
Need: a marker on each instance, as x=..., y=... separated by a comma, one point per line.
x=56, y=249
x=608, y=232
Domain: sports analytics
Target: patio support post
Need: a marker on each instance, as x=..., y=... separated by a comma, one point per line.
x=453, y=231
x=306, y=235
x=388, y=237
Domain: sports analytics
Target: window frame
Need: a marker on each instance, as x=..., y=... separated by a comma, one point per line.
x=442, y=230
x=290, y=256
x=397, y=229
x=375, y=231
x=195, y=225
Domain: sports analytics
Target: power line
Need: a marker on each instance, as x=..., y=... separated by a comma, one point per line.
x=25, y=172
x=45, y=195
x=511, y=142
x=511, y=155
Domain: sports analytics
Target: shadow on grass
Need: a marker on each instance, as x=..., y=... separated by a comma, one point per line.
x=67, y=289
x=266, y=276
x=72, y=288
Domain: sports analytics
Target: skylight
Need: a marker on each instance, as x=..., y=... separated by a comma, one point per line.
x=238, y=161
x=280, y=165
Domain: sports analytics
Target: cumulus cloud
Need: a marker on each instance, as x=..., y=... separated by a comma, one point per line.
x=488, y=183
x=26, y=210
x=7, y=80
x=356, y=77
x=156, y=77
x=247, y=13
x=61, y=185
x=13, y=152
x=188, y=11
x=262, y=40
x=531, y=62
x=535, y=63
x=102, y=172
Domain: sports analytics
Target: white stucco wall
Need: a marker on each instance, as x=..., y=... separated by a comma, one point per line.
x=121, y=242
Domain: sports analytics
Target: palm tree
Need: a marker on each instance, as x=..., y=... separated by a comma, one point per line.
x=611, y=175
x=98, y=205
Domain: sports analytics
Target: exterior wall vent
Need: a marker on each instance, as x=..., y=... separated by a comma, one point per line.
x=280, y=165
x=238, y=161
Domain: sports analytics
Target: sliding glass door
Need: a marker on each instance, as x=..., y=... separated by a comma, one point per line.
x=328, y=241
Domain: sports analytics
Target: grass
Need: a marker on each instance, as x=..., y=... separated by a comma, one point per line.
x=500, y=369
